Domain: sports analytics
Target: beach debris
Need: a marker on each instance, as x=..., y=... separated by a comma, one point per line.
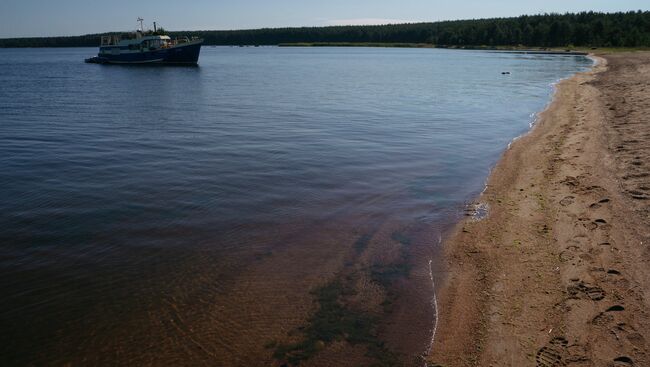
x=477, y=211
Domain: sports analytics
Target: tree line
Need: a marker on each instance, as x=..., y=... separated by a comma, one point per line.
x=585, y=29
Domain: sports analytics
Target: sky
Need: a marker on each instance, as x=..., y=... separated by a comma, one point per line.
x=28, y=18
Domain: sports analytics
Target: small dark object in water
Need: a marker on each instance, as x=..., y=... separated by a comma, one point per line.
x=505, y=73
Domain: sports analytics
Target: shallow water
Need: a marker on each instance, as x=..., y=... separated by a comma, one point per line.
x=181, y=215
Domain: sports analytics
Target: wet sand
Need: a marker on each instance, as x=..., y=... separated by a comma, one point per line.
x=558, y=273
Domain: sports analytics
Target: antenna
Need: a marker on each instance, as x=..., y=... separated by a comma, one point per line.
x=141, y=26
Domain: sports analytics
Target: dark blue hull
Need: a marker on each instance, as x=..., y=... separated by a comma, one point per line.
x=178, y=55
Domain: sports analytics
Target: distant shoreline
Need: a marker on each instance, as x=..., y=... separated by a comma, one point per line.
x=523, y=50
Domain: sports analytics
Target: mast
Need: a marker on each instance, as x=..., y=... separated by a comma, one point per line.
x=141, y=25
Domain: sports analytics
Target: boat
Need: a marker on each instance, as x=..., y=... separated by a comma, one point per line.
x=147, y=48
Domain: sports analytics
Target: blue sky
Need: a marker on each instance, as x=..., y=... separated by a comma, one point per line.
x=24, y=18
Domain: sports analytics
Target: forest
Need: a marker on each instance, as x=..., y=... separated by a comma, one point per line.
x=585, y=29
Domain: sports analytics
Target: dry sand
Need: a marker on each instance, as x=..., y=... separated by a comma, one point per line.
x=558, y=274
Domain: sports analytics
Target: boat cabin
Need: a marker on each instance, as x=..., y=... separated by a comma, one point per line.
x=113, y=43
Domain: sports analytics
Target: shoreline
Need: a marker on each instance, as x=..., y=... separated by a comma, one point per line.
x=450, y=253
x=532, y=282
x=504, y=49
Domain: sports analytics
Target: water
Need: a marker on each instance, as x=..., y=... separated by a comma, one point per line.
x=164, y=215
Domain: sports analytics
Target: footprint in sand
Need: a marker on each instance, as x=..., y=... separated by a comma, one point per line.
x=616, y=308
x=617, y=279
x=569, y=254
x=607, y=317
x=603, y=225
x=571, y=181
x=552, y=353
x=595, y=224
x=558, y=352
x=567, y=201
x=623, y=361
x=599, y=204
x=602, y=319
x=638, y=195
x=587, y=223
x=598, y=190
x=579, y=288
x=612, y=277
x=623, y=331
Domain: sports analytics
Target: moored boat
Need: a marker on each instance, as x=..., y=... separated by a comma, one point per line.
x=147, y=48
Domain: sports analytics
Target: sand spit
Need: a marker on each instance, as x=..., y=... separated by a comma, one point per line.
x=558, y=274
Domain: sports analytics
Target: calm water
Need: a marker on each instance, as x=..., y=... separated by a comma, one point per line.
x=147, y=213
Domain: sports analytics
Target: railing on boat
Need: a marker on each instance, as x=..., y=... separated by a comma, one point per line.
x=114, y=40
x=111, y=40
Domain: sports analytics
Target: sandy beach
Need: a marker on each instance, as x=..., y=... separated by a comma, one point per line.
x=558, y=273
